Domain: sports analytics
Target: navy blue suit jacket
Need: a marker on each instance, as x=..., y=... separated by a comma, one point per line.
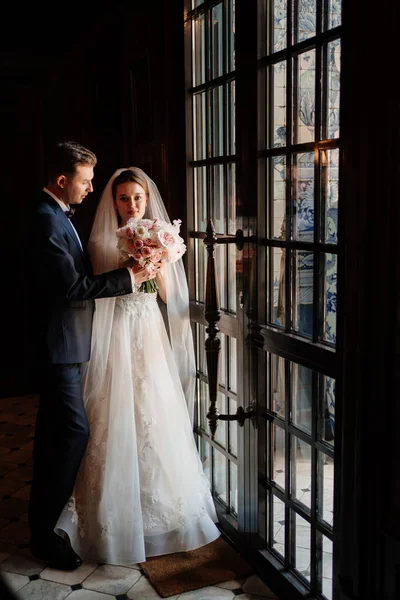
x=64, y=287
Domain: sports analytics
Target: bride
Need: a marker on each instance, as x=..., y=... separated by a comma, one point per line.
x=141, y=490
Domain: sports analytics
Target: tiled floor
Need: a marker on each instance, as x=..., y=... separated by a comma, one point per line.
x=27, y=577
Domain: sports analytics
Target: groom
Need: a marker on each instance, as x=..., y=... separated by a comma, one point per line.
x=63, y=287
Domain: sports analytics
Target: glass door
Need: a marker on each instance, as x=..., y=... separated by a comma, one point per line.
x=298, y=166
x=263, y=156
x=211, y=191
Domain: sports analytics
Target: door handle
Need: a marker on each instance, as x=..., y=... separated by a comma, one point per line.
x=212, y=315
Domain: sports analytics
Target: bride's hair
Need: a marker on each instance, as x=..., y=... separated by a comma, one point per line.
x=133, y=175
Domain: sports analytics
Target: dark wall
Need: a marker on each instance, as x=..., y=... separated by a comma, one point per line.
x=110, y=77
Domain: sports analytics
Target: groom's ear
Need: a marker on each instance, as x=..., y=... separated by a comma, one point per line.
x=61, y=181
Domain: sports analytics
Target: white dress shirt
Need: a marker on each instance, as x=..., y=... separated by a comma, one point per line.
x=65, y=208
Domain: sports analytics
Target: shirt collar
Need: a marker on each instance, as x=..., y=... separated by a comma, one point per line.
x=62, y=204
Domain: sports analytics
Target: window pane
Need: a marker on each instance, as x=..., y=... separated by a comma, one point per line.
x=278, y=286
x=330, y=295
x=334, y=13
x=204, y=401
x=304, y=15
x=201, y=266
x=216, y=34
x=218, y=198
x=198, y=50
x=201, y=352
x=278, y=400
x=205, y=456
x=278, y=455
x=220, y=435
x=231, y=278
x=327, y=567
x=233, y=504
x=278, y=520
x=219, y=476
x=231, y=112
x=231, y=189
x=279, y=24
x=303, y=293
x=222, y=361
x=221, y=274
x=199, y=124
x=231, y=36
x=304, y=87
x=329, y=161
x=232, y=364
x=301, y=471
x=233, y=449
x=200, y=198
x=325, y=488
x=333, y=89
x=301, y=381
x=216, y=121
x=303, y=213
x=302, y=546
x=328, y=409
x=279, y=88
x=278, y=224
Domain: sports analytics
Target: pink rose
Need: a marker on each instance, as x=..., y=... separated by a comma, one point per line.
x=166, y=239
x=137, y=256
x=128, y=232
x=138, y=244
x=130, y=245
x=146, y=252
x=148, y=242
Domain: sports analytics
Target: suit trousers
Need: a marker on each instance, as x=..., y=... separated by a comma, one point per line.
x=61, y=437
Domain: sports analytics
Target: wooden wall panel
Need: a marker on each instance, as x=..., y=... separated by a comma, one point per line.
x=118, y=88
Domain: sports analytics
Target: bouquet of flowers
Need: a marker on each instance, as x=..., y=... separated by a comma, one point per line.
x=151, y=241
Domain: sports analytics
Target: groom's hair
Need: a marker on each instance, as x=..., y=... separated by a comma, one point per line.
x=66, y=156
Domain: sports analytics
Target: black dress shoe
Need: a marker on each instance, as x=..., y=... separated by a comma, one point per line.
x=58, y=554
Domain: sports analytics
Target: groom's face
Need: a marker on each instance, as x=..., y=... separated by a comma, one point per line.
x=78, y=186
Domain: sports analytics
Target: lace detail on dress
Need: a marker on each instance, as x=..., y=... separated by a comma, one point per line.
x=157, y=514
x=92, y=470
x=138, y=304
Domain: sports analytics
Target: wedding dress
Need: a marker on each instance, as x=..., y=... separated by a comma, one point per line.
x=141, y=490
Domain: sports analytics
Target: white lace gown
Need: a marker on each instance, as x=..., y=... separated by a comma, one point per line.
x=141, y=490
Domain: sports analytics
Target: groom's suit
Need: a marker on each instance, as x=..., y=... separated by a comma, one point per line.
x=63, y=287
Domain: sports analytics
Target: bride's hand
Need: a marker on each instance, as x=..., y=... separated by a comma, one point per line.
x=143, y=274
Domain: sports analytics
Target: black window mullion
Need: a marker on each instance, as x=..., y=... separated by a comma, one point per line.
x=293, y=100
x=324, y=91
x=289, y=171
x=288, y=255
x=325, y=15
x=288, y=470
x=315, y=406
x=227, y=482
x=295, y=31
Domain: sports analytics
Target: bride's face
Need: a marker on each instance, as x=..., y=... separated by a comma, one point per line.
x=131, y=201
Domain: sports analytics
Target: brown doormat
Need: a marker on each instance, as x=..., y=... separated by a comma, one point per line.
x=185, y=571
